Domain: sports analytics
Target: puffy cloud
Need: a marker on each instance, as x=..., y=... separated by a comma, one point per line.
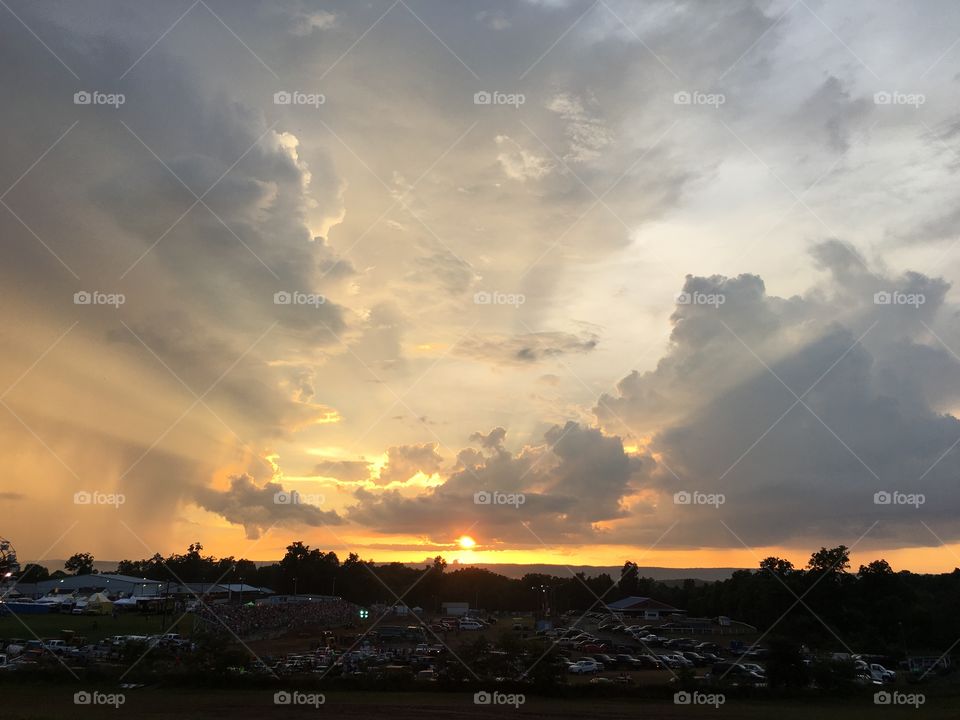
x=575, y=478
x=405, y=461
x=799, y=410
x=493, y=440
x=259, y=508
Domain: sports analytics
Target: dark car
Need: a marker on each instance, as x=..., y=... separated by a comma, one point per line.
x=627, y=661
x=697, y=660
x=735, y=674
x=605, y=660
x=650, y=662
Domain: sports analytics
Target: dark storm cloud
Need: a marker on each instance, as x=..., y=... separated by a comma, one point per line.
x=575, y=478
x=876, y=391
x=259, y=508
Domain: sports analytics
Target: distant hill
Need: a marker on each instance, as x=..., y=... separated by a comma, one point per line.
x=661, y=574
x=516, y=570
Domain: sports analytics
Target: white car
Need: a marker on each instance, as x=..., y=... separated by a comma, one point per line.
x=585, y=666
x=470, y=625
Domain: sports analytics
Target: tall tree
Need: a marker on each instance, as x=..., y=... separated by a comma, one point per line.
x=834, y=561
x=80, y=564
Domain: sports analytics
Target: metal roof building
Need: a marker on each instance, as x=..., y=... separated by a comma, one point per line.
x=649, y=608
x=102, y=582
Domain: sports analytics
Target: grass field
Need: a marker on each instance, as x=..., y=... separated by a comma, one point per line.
x=45, y=703
x=91, y=627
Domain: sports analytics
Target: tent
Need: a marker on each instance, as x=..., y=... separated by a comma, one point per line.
x=99, y=604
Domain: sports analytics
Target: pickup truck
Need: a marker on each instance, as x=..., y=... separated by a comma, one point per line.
x=55, y=646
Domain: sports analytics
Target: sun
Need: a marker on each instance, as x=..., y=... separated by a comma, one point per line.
x=466, y=542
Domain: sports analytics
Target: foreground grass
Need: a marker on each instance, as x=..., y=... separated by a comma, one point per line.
x=92, y=627
x=45, y=702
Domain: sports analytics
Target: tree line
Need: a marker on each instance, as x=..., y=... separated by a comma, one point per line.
x=824, y=605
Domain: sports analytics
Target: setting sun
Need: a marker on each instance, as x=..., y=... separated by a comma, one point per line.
x=466, y=542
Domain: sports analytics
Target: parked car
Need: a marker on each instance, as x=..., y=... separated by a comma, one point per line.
x=585, y=666
x=684, y=661
x=591, y=646
x=735, y=674
x=697, y=660
x=879, y=672
x=650, y=662
x=605, y=660
x=675, y=662
x=55, y=646
x=471, y=625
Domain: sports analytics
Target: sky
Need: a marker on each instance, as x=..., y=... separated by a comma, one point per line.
x=583, y=282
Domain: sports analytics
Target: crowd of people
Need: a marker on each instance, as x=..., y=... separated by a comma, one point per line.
x=264, y=619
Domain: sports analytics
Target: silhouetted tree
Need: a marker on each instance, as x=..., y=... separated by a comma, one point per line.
x=80, y=564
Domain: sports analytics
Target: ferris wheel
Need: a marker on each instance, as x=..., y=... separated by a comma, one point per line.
x=8, y=560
